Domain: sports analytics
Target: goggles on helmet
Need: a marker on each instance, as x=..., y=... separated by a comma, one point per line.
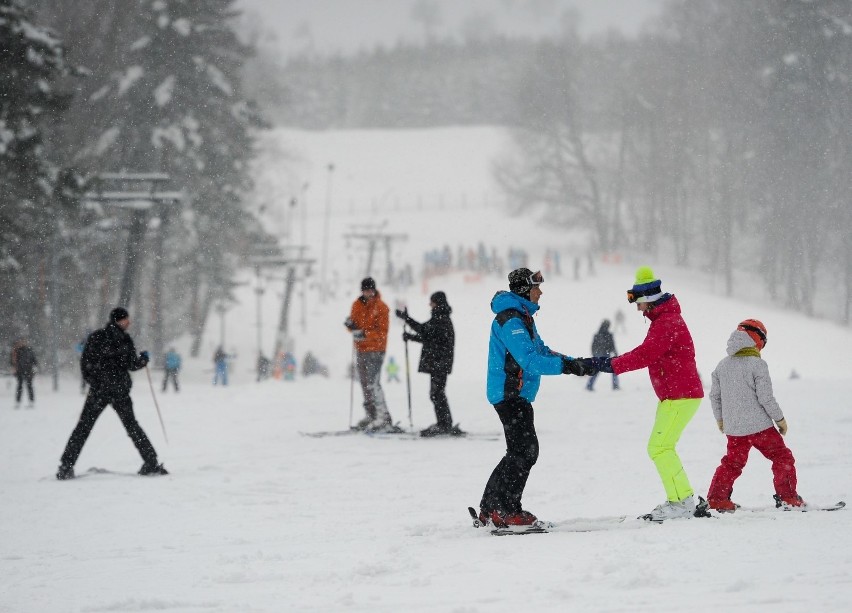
x=535, y=279
x=756, y=330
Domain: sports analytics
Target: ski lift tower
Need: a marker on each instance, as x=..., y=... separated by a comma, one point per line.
x=292, y=258
x=138, y=193
x=374, y=236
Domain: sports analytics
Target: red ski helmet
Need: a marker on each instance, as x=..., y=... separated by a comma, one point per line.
x=756, y=330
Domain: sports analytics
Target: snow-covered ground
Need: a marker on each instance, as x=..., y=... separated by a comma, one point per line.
x=257, y=517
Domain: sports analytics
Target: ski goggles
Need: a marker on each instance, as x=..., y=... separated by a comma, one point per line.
x=535, y=279
x=756, y=330
x=633, y=295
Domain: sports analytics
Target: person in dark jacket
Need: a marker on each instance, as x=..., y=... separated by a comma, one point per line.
x=603, y=346
x=23, y=367
x=436, y=358
x=107, y=360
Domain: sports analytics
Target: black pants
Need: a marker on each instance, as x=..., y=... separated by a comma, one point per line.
x=92, y=409
x=171, y=374
x=506, y=485
x=24, y=378
x=438, y=396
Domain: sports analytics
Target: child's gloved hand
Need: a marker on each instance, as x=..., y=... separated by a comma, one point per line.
x=721, y=425
x=782, y=426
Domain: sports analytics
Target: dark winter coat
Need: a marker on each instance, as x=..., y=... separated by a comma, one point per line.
x=24, y=360
x=439, y=340
x=107, y=360
x=603, y=344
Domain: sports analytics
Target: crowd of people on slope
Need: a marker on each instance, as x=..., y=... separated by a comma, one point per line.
x=481, y=259
x=741, y=394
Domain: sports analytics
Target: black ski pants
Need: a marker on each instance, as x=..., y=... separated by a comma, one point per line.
x=24, y=379
x=507, y=482
x=438, y=396
x=92, y=409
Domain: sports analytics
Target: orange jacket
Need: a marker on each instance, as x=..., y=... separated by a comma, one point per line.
x=373, y=317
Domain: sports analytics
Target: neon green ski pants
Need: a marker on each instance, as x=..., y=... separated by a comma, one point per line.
x=672, y=418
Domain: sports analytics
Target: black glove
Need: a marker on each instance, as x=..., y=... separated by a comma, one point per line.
x=402, y=314
x=593, y=365
x=145, y=357
x=407, y=336
x=358, y=335
x=572, y=366
x=350, y=324
x=603, y=364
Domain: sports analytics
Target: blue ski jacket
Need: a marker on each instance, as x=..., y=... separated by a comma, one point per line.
x=173, y=361
x=517, y=357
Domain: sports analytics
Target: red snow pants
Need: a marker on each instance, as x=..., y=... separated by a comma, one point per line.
x=768, y=442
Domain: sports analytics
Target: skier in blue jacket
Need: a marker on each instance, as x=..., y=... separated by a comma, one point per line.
x=517, y=358
x=173, y=363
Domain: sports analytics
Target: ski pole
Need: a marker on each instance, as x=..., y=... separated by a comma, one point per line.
x=352, y=371
x=408, y=378
x=156, y=406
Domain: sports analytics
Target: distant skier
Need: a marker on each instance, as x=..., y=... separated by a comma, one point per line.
x=220, y=364
x=745, y=409
x=173, y=364
x=603, y=346
x=669, y=355
x=436, y=358
x=24, y=362
x=392, y=369
x=517, y=358
x=106, y=361
x=288, y=366
x=619, y=322
x=368, y=321
x=312, y=366
x=262, y=367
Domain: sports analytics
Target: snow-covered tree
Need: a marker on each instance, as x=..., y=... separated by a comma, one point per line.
x=164, y=95
x=31, y=61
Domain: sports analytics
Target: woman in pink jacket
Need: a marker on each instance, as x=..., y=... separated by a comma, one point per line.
x=669, y=355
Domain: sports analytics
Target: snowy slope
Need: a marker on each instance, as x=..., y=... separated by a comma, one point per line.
x=256, y=517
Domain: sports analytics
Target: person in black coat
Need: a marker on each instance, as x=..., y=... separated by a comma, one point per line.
x=107, y=360
x=436, y=358
x=603, y=346
x=24, y=361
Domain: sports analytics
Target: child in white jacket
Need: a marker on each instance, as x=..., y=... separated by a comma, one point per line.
x=746, y=411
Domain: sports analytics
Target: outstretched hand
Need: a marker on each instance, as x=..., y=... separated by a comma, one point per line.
x=572, y=366
x=402, y=313
x=594, y=365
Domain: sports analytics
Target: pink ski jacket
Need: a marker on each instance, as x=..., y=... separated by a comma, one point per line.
x=667, y=352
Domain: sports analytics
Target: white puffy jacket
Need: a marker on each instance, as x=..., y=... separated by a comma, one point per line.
x=741, y=393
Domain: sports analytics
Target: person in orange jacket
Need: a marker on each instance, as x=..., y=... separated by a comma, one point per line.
x=368, y=322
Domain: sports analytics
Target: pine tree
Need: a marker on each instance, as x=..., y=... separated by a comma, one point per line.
x=31, y=60
x=164, y=95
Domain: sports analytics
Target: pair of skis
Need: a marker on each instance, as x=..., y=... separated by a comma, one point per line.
x=622, y=522
x=403, y=434
x=543, y=527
